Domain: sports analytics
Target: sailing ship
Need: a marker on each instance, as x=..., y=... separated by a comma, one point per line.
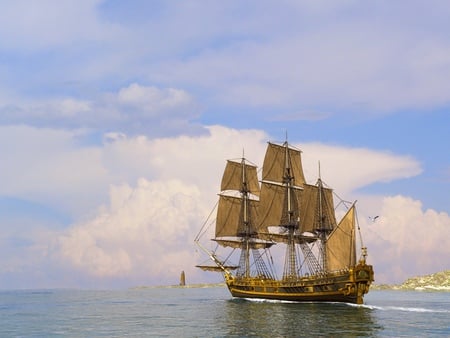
x=282, y=210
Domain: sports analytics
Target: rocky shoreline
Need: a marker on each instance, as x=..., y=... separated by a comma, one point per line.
x=439, y=281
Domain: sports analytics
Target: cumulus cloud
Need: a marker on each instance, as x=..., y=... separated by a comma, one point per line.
x=407, y=240
x=146, y=231
x=159, y=216
x=136, y=232
x=348, y=169
x=106, y=72
x=138, y=202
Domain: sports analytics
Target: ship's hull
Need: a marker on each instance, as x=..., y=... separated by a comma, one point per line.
x=345, y=286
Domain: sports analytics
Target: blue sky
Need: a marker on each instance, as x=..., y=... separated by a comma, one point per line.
x=116, y=119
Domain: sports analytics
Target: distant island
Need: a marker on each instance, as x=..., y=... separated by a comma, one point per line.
x=439, y=281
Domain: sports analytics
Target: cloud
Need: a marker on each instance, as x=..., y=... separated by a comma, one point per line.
x=146, y=231
x=159, y=216
x=152, y=98
x=27, y=25
x=137, y=203
x=406, y=240
x=134, y=109
x=98, y=95
x=152, y=105
x=348, y=169
x=316, y=70
x=304, y=115
x=137, y=231
x=49, y=167
x=374, y=61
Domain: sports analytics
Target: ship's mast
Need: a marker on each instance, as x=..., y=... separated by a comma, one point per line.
x=244, y=260
x=323, y=226
x=322, y=232
x=290, y=266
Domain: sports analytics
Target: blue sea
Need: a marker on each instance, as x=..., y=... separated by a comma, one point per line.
x=212, y=312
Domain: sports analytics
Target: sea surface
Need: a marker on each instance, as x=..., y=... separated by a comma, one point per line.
x=212, y=312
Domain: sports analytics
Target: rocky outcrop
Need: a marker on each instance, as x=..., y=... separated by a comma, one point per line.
x=439, y=281
x=435, y=281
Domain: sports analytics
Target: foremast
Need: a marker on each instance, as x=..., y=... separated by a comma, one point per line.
x=246, y=231
x=236, y=222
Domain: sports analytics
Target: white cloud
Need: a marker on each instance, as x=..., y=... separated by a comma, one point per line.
x=154, y=102
x=363, y=62
x=161, y=191
x=70, y=107
x=372, y=60
x=348, y=169
x=160, y=216
x=134, y=109
x=144, y=232
x=406, y=240
x=113, y=73
x=49, y=167
x=26, y=24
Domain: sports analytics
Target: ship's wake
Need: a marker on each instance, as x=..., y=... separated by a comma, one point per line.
x=400, y=308
x=365, y=306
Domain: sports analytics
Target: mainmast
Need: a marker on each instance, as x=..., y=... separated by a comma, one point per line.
x=322, y=230
x=326, y=220
x=290, y=267
x=282, y=185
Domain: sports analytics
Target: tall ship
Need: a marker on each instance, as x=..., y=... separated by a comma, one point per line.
x=283, y=213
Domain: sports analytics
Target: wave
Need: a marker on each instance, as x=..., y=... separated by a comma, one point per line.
x=401, y=308
x=366, y=306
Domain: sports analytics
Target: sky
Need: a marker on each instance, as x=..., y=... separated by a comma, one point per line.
x=117, y=117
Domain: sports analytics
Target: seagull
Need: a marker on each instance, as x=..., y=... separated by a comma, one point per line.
x=374, y=218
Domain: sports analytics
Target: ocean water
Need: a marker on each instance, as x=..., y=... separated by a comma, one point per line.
x=211, y=312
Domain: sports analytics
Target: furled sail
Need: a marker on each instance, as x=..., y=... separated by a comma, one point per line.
x=341, y=250
x=216, y=268
x=282, y=238
x=252, y=244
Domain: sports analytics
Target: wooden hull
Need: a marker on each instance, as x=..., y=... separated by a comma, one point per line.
x=345, y=286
